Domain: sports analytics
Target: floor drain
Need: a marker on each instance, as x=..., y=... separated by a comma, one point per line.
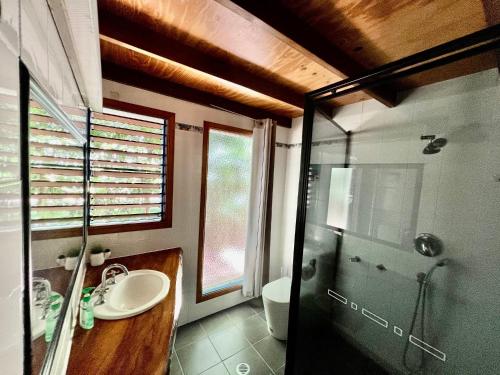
x=243, y=369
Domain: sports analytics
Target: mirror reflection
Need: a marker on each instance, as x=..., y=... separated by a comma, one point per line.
x=56, y=155
x=370, y=201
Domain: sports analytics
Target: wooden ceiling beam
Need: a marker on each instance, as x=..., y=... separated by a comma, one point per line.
x=492, y=16
x=292, y=30
x=161, y=45
x=144, y=81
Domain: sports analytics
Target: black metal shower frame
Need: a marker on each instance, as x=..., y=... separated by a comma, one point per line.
x=470, y=45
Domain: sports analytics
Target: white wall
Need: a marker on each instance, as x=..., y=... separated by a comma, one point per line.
x=289, y=196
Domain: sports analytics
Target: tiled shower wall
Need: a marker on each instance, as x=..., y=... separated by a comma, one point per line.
x=465, y=110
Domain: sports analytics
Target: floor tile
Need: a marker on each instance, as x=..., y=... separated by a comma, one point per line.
x=256, y=304
x=240, y=312
x=254, y=328
x=252, y=358
x=216, y=322
x=273, y=351
x=229, y=342
x=263, y=316
x=188, y=334
x=175, y=367
x=220, y=369
x=198, y=357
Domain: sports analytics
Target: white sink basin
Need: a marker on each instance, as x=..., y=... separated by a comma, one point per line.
x=132, y=295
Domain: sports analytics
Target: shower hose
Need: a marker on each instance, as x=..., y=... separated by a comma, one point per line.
x=423, y=283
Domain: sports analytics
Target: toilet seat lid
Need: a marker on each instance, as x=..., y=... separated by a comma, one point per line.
x=278, y=290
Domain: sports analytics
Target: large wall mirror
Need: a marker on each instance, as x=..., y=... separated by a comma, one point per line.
x=55, y=216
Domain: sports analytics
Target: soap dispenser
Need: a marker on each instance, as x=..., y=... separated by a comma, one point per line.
x=51, y=320
x=86, y=310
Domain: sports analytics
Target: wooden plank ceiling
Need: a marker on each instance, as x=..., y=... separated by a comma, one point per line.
x=260, y=58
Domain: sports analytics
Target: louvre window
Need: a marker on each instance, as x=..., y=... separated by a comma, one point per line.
x=127, y=169
x=131, y=170
x=57, y=174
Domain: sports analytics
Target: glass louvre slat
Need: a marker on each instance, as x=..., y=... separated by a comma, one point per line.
x=60, y=170
x=128, y=219
x=138, y=185
x=126, y=199
x=57, y=223
x=126, y=123
x=124, y=165
x=55, y=208
x=50, y=133
x=126, y=170
x=107, y=143
x=42, y=148
x=61, y=184
x=125, y=205
x=51, y=161
x=125, y=210
x=46, y=122
x=133, y=190
x=53, y=196
x=125, y=174
x=141, y=136
x=120, y=155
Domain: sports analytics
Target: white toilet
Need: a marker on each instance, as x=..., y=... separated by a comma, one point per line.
x=276, y=297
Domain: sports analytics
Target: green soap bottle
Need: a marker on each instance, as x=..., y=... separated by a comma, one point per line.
x=51, y=321
x=86, y=310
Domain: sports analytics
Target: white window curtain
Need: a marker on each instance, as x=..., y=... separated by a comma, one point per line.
x=256, y=230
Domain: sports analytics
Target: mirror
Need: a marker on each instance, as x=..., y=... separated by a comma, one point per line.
x=389, y=193
x=57, y=214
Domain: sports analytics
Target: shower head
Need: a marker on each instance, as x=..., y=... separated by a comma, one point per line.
x=435, y=145
x=428, y=150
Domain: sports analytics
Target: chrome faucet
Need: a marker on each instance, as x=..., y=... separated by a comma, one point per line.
x=41, y=294
x=101, y=291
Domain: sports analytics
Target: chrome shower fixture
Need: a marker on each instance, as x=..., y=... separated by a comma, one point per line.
x=424, y=281
x=428, y=245
x=434, y=145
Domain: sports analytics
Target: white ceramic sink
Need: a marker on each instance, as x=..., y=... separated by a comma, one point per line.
x=132, y=295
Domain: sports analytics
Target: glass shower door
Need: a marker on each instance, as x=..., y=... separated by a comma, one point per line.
x=371, y=302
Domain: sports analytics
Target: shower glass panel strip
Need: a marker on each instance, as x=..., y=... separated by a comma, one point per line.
x=402, y=219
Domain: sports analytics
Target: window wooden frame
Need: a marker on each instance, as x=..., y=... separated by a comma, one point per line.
x=168, y=154
x=207, y=126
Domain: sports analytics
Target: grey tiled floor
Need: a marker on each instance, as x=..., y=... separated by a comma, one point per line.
x=216, y=344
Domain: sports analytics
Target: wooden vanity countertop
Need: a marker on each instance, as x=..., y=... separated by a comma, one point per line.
x=136, y=345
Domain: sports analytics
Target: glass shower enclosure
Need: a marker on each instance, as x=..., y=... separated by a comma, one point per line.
x=397, y=248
